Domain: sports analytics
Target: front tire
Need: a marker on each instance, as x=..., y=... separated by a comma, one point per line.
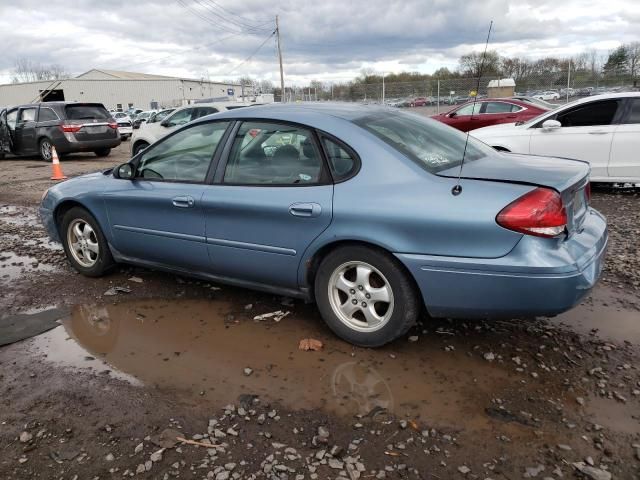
x=365, y=296
x=84, y=243
x=102, y=152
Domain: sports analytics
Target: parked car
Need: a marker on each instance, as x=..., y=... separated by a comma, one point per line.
x=488, y=111
x=142, y=118
x=119, y=115
x=347, y=205
x=419, y=102
x=125, y=128
x=144, y=137
x=70, y=127
x=535, y=101
x=603, y=130
x=550, y=95
x=159, y=116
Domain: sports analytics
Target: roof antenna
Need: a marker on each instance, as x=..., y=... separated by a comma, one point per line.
x=457, y=189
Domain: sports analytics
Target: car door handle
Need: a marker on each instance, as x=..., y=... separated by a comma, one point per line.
x=305, y=209
x=185, y=201
x=598, y=132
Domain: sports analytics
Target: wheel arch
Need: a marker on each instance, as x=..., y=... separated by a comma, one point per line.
x=137, y=142
x=314, y=259
x=64, y=206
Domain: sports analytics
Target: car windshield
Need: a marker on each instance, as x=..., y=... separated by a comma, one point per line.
x=431, y=144
x=87, y=112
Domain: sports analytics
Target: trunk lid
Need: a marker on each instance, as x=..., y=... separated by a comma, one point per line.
x=568, y=177
x=94, y=120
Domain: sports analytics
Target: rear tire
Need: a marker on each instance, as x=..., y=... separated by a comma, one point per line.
x=366, y=296
x=45, y=149
x=84, y=243
x=103, y=152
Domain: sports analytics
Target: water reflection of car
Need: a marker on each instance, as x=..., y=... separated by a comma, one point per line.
x=354, y=207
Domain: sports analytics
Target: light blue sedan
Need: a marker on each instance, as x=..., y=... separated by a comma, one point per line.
x=353, y=207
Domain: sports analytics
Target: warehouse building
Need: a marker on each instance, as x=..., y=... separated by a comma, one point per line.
x=119, y=90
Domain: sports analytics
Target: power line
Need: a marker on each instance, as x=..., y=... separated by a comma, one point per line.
x=229, y=16
x=222, y=22
x=252, y=55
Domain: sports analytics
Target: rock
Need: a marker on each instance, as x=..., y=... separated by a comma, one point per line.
x=323, y=432
x=592, y=472
x=489, y=356
x=110, y=457
x=140, y=469
x=580, y=400
x=138, y=448
x=167, y=438
x=564, y=447
x=156, y=456
x=336, y=464
x=463, y=469
x=248, y=371
x=25, y=437
x=135, y=279
x=413, y=338
x=533, y=472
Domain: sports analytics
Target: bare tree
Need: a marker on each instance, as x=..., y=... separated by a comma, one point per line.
x=633, y=53
x=475, y=63
x=26, y=70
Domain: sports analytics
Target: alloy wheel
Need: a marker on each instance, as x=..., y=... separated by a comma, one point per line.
x=45, y=150
x=83, y=243
x=360, y=296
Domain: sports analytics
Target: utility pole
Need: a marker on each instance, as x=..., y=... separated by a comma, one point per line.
x=282, y=99
x=382, y=88
x=568, y=80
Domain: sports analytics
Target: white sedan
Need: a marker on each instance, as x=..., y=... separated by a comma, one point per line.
x=547, y=96
x=603, y=130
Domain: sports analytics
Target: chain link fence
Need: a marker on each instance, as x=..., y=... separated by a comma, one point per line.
x=555, y=87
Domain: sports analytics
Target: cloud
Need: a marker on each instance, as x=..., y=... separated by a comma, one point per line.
x=332, y=39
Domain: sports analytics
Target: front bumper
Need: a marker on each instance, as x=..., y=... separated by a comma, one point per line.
x=49, y=222
x=538, y=277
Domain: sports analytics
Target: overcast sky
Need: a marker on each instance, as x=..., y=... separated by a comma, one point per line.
x=322, y=39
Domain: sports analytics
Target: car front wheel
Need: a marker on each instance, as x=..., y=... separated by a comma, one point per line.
x=84, y=243
x=365, y=296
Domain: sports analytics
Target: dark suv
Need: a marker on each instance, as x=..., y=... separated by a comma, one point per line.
x=68, y=126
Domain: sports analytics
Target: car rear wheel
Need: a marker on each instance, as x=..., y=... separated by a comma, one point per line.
x=45, y=149
x=84, y=243
x=365, y=296
x=103, y=152
x=139, y=147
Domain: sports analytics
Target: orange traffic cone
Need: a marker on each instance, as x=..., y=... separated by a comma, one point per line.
x=56, y=169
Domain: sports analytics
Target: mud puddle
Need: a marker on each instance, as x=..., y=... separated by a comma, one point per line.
x=607, y=314
x=199, y=346
x=13, y=266
x=19, y=216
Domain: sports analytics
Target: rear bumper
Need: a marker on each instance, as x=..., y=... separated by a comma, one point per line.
x=63, y=145
x=538, y=277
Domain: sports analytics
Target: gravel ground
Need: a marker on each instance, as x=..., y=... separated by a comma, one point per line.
x=108, y=392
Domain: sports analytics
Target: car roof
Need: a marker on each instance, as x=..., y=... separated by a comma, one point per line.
x=346, y=111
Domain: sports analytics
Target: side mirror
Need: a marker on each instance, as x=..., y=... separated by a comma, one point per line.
x=452, y=114
x=164, y=123
x=549, y=125
x=124, y=171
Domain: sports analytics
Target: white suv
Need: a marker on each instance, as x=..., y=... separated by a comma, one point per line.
x=153, y=132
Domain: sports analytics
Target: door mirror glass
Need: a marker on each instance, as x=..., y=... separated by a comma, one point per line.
x=551, y=124
x=453, y=114
x=124, y=171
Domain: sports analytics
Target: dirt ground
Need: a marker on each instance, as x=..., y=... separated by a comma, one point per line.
x=106, y=393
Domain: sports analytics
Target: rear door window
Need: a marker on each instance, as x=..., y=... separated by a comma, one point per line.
x=341, y=162
x=47, y=115
x=634, y=112
x=181, y=117
x=86, y=112
x=202, y=111
x=498, y=107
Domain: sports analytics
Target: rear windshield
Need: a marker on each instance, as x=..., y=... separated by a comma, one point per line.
x=86, y=112
x=433, y=145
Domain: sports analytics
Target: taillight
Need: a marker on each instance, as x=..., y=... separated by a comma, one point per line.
x=587, y=192
x=539, y=212
x=70, y=128
x=113, y=125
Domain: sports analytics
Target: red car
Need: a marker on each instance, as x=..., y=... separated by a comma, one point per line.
x=489, y=111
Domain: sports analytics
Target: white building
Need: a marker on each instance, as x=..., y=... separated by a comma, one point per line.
x=119, y=90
